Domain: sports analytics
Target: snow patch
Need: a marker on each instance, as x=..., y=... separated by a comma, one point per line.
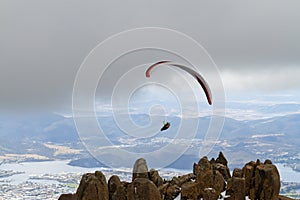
x=267, y=135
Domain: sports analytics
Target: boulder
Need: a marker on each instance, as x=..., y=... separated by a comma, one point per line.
x=237, y=172
x=183, y=179
x=220, y=164
x=190, y=190
x=221, y=159
x=235, y=188
x=172, y=192
x=117, y=189
x=268, y=161
x=208, y=176
x=140, y=169
x=223, y=169
x=204, y=164
x=142, y=188
x=212, y=161
x=93, y=186
x=248, y=173
x=155, y=177
x=195, y=169
x=267, y=182
x=210, y=194
x=211, y=179
x=262, y=181
x=163, y=189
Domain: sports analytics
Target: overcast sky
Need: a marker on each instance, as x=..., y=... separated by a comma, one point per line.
x=255, y=44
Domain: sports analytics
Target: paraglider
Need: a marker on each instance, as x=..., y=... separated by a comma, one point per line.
x=195, y=74
x=166, y=126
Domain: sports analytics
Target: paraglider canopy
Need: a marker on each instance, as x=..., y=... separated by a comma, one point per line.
x=195, y=74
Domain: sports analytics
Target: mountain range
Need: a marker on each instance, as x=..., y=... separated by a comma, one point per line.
x=47, y=135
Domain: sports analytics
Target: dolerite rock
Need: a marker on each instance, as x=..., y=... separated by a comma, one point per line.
x=183, y=179
x=172, y=192
x=140, y=169
x=222, y=167
x=268, y=161
x=224, y=170
x=262, y=181
x=248, y=172
x=195, y=169
x=68, y=197
x=117, y=189
x=201, y=168
x=254, y=194
x=267, y=182
x=207, y=177
x=93, y=186
x=221, y=159
x=235, y=188
x=155, y=177
x=210, y=194
x=163, y=189
x=212, y=179
x=113, y=183
x=142, y=189
x=237, y=172
x=204, y=164
x=190, y=190
x=212, y=161
x=259, y=181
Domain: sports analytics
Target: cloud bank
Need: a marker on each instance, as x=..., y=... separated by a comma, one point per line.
x=255, y=44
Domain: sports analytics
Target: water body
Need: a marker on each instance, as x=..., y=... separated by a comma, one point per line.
x=40, y=168
x=287, y=174
x=60, y=167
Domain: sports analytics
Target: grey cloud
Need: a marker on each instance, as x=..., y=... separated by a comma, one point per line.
x=44, y=43
x=262, y=80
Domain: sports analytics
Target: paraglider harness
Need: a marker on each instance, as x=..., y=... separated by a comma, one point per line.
x=166, y=126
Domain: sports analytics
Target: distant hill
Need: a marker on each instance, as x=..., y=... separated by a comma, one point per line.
x=277, y=138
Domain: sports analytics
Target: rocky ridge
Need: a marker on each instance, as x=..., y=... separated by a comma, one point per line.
x=210, y=180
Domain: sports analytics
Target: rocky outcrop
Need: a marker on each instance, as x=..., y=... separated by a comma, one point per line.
x=236, y=186
x=267, y=182
x=262, y=180
x=221, y=159
x=155, y=177
x=140, y=169
x=210, y=194
x=142, y=188
x=237, y=172
x=190, y=190
x=117, y=189
x=207, y=176
x=221, y=166
x=172, y=191
x=212, y=179
x=258, y=181
x=182, y=179
x=93, y=186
